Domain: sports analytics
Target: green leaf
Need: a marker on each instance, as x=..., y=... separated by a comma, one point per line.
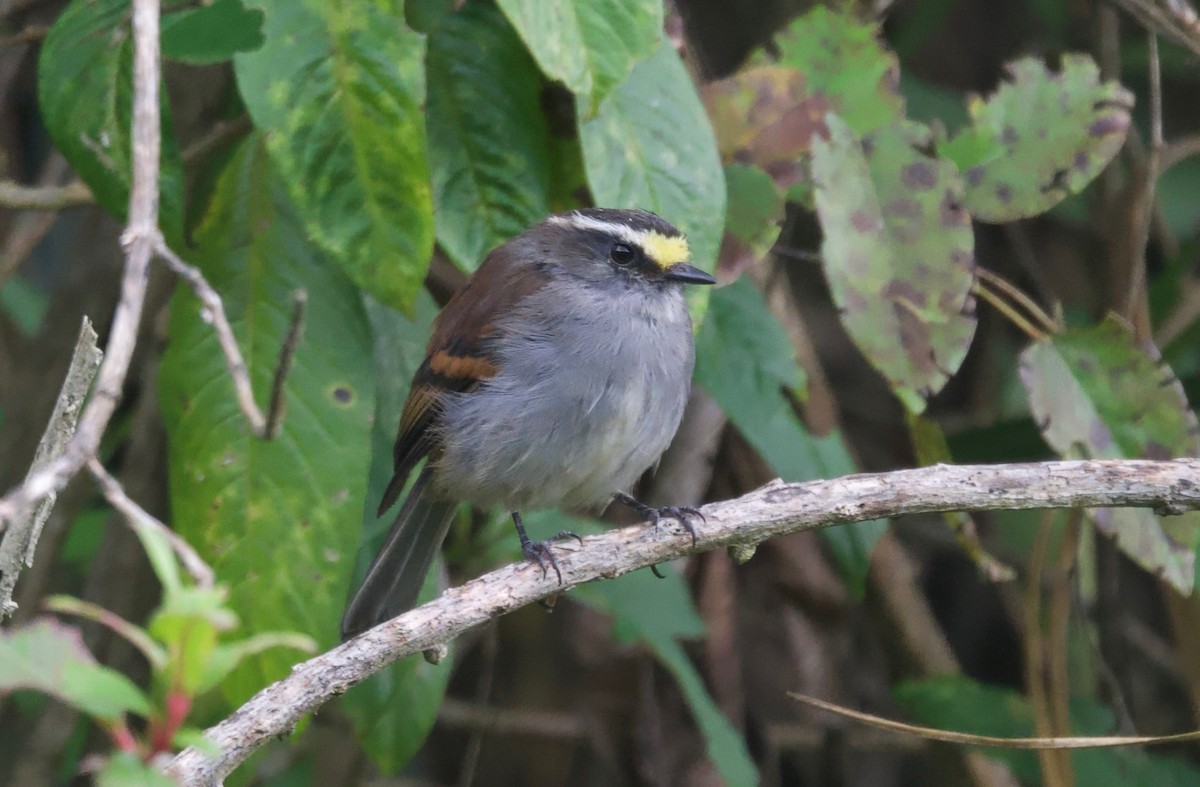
x=726, y=748
x=225, y=657
x=659, y=613
x=955, y=702
x=188, y=623
x=339, y=88
x=650, y=146
x=126, y=769
x=842, y=59
x=138, y=637
x=898, y=254
x=1039, y=138
x=49, y=657
x=1097, y=394
x=394, y=711
x=24, y=304
x=489, y=144
x=744, y=361
x=588, y=45
x=752, y=220
x=85, y=97
x=643, y=606
x=766, y=116
x=274, y=518
x=211, y=33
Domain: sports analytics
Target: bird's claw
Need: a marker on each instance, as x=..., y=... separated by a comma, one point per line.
x=680, y=514
x=542, y=553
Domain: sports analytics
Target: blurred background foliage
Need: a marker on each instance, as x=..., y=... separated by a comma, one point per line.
x=945, y=231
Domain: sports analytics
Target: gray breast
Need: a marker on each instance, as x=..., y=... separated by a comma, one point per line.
x=579, y=410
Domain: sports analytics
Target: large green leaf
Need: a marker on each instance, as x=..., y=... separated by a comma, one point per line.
x=276, y=519
x=338, y=87
x=393, y=711
x=489, y=144
x=1097, y=394
x=127, y=769
x=956, y=702
x=211, y=33
x=85, y=92
x=744, y=361
x=1039, y=138
x=658, y=613
x=588, y=45
x=49, y=657
x=898, y=252
x=841, y=58
x=650, y=146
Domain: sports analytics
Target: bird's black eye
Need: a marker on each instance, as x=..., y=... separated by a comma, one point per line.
x=622, y=253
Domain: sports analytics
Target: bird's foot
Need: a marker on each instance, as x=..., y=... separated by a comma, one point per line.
x=681, y=514
x=541, y=552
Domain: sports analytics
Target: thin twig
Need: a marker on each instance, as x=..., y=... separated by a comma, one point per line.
x=483, y=718
x=483, y=695
x=20, y=541
x=31, y=226
x=283, y=368
x=1004, y=307
x=213, y=312
x=141, y=519
x=774, y=510
x=1016, y=294
x=1056, y=769
x=72, y=195
x=30, y=35
x=1174, y=19
x=1058, y=620
x=221, y=134
x=1135, y=296
x=970, y=739
x=139, y=239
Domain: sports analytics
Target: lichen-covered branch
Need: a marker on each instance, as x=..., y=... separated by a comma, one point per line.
x=21, y=538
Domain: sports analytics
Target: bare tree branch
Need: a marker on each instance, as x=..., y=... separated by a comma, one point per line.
x=139, y=239
x=774, y=510
x=72, y=195
x=20, y=541
x=213, y=312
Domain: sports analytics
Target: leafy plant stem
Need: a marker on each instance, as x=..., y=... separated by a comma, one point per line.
x=135, y=636
x=122, y=737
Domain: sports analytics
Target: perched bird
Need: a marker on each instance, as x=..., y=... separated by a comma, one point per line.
x=555, y=377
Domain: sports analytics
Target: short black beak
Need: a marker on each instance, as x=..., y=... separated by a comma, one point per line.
x=688, y=274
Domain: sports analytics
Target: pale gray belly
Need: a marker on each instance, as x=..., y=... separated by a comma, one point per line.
x=570, y=420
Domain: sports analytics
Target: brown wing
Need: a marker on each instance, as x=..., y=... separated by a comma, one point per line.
x=459, y=356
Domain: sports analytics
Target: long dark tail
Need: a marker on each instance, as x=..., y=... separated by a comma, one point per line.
x=395, y=577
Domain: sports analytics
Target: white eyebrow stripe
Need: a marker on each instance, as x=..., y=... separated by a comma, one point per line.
x=613, y=228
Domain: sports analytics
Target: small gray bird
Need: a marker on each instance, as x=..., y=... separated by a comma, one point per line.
x=554, y=377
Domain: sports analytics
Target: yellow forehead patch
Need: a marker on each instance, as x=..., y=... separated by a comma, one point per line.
x=665, y=250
